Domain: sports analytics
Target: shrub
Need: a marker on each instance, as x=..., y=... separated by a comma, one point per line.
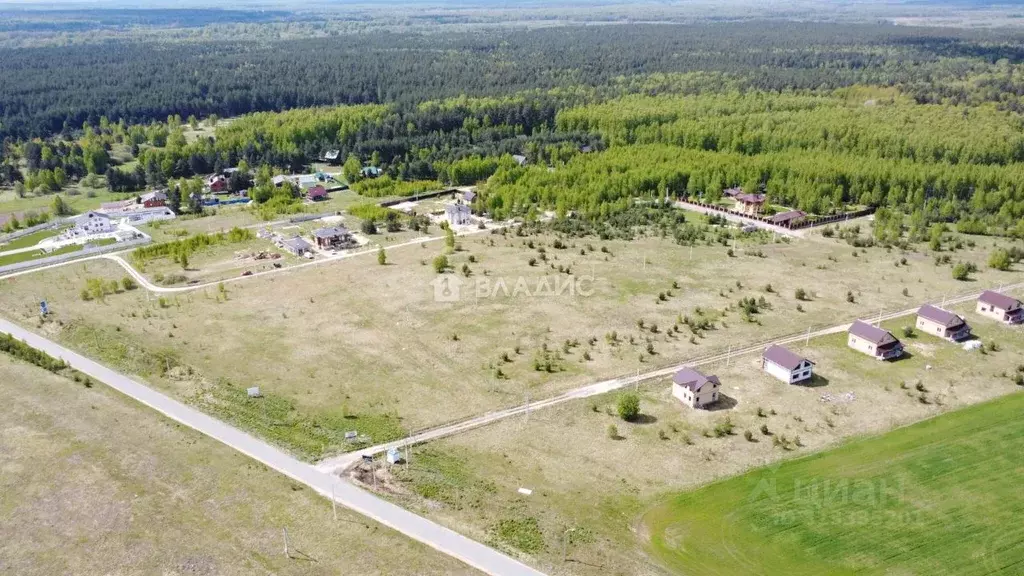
x=628, y=406
x=128, y=283
x=764, y=430
x=908, y=331
x=440, y=264
x=613, y=432
x=800, y=294
x=999, y=260
x=368, y=227
x=748, y=435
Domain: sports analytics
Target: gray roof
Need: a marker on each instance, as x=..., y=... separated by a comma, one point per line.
x=751, y=198
x=331, y=232
x=93, y=214
x=154, y=195
x=297, y=244
x=1001, y=301
x=936, y=314
x=453, y=209
x=783, y=357
x=878, y=336
x=731, y=192
x=692, y=379
x=469, y=195
x=787, y=216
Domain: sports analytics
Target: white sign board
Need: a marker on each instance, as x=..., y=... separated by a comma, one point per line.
x=254, y=392
x=525, y=491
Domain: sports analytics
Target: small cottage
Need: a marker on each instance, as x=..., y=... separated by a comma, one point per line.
x=1001, y=307
x=297, y=246
x=458, y=214
x=154, y=199
x=942, y=323
x=332, y=237
x=786, y=365
x=316, y=193
x=695, y=389
x=873, y=341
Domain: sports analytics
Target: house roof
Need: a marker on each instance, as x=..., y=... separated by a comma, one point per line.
x=1001, y=301
x=279, y=179
x=784, y=217
x=331, y=232
x=692, y=379
x=297, y=244
x=732, y=192
x=519, y=158
x=468, y=195
x=751, y=198
x=939, y=315
x=94, y=214
x=784, y=357
x=118, y=205
x=317, y=190
x=874, y=334
x=154, y=195
x=453, y=209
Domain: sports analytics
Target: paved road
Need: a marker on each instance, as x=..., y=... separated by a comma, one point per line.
x=434, y=535
x=342, y=461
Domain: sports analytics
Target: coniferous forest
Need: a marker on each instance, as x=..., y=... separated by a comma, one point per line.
x=823, y=117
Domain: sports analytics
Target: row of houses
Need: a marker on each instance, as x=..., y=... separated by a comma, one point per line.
x=327, y=238
x=697, y=390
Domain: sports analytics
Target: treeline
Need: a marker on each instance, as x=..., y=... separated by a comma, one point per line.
x=141, y=82
x=865, y=121
x=22, y=351
x=601, y=185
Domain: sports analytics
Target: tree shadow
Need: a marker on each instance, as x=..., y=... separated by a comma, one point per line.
x=644, y=419
x=723, y=403
x=903, y=357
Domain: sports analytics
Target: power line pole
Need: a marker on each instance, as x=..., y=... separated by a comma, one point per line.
x=334, y=503
x=286, y=554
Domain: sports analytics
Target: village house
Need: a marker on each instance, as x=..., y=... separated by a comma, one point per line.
x=332, y=156
x=732, y=192
x=316, y=193
x=332, y=237
x=942, y=323
x=297, y=246
x=873, y=341
x=1001, y=307
x=790, y=218
x=458, y=214
x=695, y=389
x=153, y=199
x=468, y=196
x=217, y=183
x=371, y=172
x=750, y=204
x=145, y=215
x=786, y=365
x=520, y=159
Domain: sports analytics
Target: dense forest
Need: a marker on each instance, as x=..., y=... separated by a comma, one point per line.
x=821, y=117
x=144, y=81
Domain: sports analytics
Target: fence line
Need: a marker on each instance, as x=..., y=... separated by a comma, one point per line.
x=38, y=262
x=807, y=223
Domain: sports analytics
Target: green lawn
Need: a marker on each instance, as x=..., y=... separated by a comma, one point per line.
x=939, y=497
x=29, y=240
x=36, y=254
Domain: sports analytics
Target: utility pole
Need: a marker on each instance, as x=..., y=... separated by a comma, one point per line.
x=807, y=339
x=286, y=554
x=728, y=356
x=565, y=544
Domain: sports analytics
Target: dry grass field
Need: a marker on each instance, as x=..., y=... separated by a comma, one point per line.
x=93, y=483
x=355, y=345
x=599, y=487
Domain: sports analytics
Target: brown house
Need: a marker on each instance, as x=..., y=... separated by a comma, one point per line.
x=791, y=218
x=1001, y=307
x=873, y=341
x=942, y=323
x=316, y=193
x=332, y=237
x=750, y=204
x=695, y=389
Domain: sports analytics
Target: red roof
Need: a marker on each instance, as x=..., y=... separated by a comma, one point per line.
x=316, y=192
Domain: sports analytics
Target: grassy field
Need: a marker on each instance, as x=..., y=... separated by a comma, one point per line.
x=566, y=456
x=369, y=347
x=36, y=254
x=29, y=240
x=79, y=198
x=93, y=483
x=939, y=497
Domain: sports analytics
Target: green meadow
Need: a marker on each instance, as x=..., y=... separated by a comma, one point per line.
x=943, y=496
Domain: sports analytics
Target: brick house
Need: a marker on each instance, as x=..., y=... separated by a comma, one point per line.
x=1001, y=307
x=786, y=365
x=942, y=323
x=750, y=204
x=695, y=389
x=873, y=341
x=154, y=199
